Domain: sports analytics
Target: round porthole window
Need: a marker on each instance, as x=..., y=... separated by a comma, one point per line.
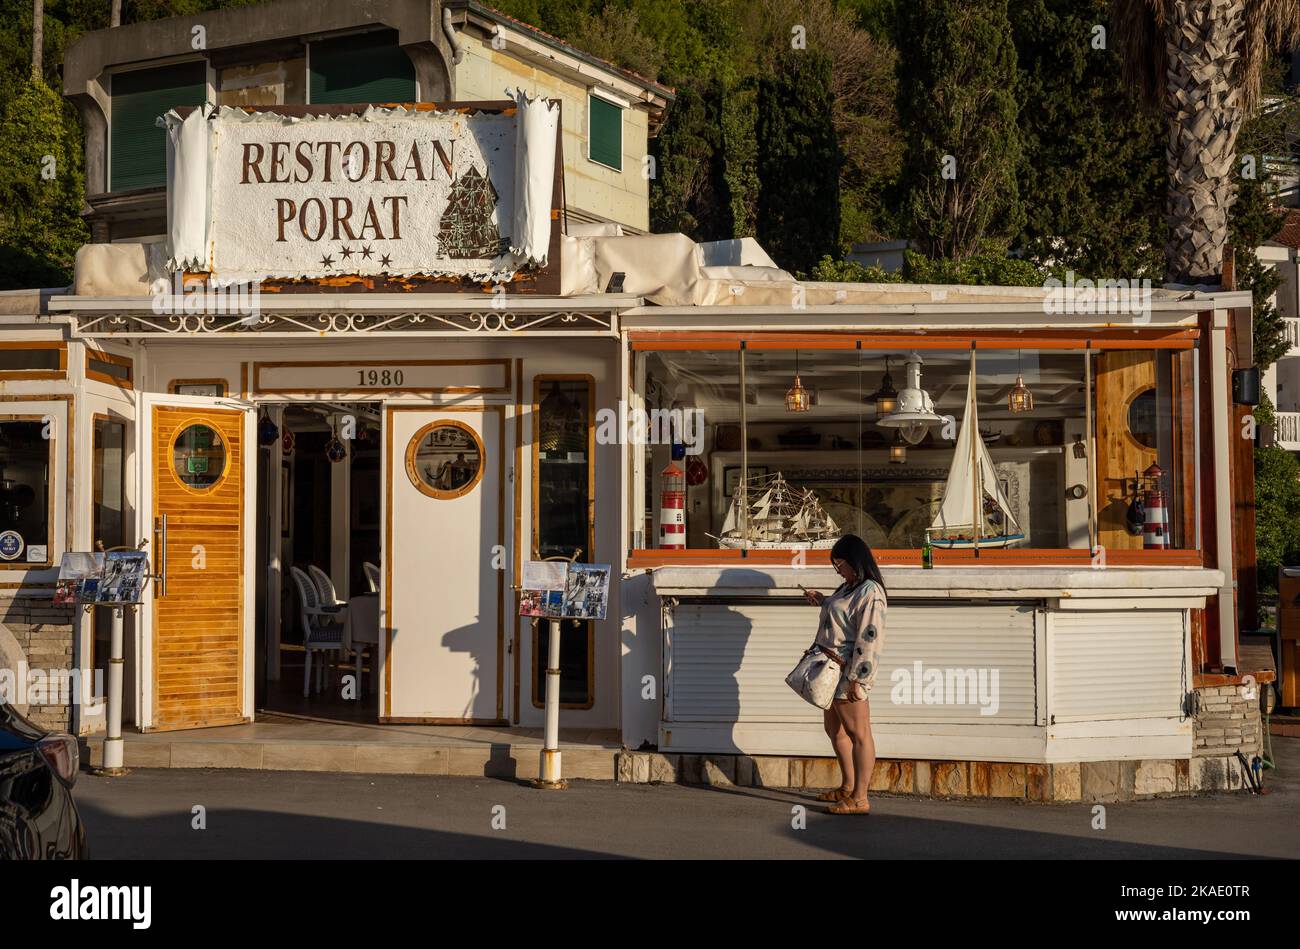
x=1142, y=418
x=445, y=459
x=199, y=456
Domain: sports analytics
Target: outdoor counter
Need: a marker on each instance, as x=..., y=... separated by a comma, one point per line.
x=995, y=663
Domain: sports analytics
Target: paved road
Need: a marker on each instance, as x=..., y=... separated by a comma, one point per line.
x=259, y=814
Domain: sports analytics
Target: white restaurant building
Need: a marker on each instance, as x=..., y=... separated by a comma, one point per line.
x=459, y=314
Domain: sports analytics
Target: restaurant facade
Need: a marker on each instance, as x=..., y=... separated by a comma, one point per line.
x=410, y=344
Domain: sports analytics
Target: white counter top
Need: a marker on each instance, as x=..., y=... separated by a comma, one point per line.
x=1000, y=582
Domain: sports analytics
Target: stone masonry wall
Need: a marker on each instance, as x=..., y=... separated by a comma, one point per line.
x=1227, y=721
x=40, y=634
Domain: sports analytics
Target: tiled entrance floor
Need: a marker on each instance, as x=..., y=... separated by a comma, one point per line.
x=284, y=743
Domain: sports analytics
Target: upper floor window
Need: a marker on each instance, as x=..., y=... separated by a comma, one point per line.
x=604, y=132
x=137, y=146
x=360, y=67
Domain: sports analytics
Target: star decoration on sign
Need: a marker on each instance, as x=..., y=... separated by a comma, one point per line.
x=327, y=261
x=385, y=260
x=366, y=252
x=346, y=252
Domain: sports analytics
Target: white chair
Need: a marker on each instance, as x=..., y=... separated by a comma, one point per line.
x=322, y=628
x=329, y=597
x=372, y=575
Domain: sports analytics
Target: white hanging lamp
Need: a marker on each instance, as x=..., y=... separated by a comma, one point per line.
x=915, y=413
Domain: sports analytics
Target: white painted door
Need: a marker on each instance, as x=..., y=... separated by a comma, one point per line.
x=441, y=630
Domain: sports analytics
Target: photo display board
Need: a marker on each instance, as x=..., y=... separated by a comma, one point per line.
x=557, y=589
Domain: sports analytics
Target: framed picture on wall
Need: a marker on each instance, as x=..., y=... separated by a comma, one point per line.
x=286, y=498
x=731, y=477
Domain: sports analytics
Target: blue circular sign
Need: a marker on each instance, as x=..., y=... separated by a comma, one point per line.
x=11, y=545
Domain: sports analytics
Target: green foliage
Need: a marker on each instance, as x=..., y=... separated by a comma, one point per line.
x=1277, y=512
x=987, y=266
x=41, y=189
x=1092, y=178
x=798, y=163
x=957, y=97
x=689, y=191
x=829, y=269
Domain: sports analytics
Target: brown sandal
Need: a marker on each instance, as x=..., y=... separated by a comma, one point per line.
x=849, y=806
x=835, y=794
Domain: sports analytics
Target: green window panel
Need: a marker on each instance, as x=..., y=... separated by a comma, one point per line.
x=365, y=67
x=605, y=130
x=137, y=146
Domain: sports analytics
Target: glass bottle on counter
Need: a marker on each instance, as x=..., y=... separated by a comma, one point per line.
x=927, y=554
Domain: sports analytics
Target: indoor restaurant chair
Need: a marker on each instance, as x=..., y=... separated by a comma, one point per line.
x=322, y=628
x=329, y=597
x=372, y=575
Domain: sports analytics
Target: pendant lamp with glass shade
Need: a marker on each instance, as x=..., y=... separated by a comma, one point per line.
x=886, y=397
x=898, y=449
x=1020, y=399
x=797, y=398
x=915, y=413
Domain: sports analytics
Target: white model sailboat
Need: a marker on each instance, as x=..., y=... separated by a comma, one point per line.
x=779, y=515
x=961, y=522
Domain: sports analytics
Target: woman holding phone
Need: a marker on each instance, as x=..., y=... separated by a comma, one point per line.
x=852, y=625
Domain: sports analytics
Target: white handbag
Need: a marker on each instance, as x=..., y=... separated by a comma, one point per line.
x=816, y=676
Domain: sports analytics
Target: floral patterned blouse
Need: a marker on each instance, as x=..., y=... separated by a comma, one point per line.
x=853, y=624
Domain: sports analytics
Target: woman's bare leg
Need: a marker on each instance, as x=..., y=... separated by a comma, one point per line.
x=856, y=719
x=842, y=744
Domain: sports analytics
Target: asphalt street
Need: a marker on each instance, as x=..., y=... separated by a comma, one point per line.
x=268, y=814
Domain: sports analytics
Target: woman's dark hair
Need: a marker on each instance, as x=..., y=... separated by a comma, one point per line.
x=854, y=550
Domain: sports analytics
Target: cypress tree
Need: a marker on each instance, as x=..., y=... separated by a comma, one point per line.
x=1093, y=176
x=958, y=110
x=798, y=215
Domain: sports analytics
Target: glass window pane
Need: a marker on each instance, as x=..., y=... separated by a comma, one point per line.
x=24, y=488
x=869, y=442
x=199, y=456
x=36, y=360
x=108, y=517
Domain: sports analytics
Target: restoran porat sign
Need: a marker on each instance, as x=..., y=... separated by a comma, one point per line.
x=384, y=191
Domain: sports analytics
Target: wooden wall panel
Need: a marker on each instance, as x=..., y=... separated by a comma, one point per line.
x=1121, y=375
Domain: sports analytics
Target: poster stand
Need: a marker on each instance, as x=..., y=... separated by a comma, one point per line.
x=559, y=588
x=116, y=578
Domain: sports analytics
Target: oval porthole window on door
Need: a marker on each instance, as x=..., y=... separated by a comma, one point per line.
x=444, y=459
x=199, y=456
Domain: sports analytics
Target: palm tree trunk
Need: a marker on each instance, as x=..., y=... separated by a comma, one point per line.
x=115, y=13
x=1203, y=108
x=38, y=38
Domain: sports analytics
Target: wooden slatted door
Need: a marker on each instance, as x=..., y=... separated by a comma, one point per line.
x=196, y=460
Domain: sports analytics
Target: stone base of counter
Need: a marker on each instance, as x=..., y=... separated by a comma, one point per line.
x=1074, y=782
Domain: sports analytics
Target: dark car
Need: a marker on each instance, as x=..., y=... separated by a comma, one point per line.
x=38, y=819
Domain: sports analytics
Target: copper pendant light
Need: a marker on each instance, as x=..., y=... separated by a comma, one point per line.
x=1020, y=399
x=797, y=398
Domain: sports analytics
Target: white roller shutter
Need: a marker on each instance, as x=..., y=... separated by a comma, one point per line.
x=727, y=662
x=1109, y=665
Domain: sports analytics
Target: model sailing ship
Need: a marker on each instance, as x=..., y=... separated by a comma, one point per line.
x=779, y=515
x=962, y=519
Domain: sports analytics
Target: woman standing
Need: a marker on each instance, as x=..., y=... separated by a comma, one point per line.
x=852, y=625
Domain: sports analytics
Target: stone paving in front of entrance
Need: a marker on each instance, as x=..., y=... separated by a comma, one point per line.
x=285, y=743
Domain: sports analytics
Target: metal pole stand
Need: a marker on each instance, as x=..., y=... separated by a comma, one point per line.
x=113, y=757
x=549, y=769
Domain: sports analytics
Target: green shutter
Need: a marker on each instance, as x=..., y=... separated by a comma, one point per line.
x=366, y=67
x=137, y=147
x=606, y=128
